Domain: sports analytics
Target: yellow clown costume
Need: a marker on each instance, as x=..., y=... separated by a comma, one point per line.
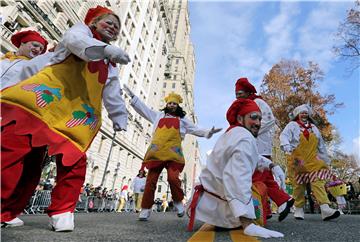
x=307, y=162
x=165, y=150
x=58, y=107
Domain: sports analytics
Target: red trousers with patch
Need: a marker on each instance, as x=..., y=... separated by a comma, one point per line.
x=20, y=173
x=273, y=190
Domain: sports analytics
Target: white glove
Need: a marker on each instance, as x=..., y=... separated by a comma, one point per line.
x=117, y=127
x=116, y=54
x=212, y=131
x=280, y=175
x=128, y=91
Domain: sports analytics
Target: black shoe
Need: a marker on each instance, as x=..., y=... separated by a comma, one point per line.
x=268, y=217
x=335, y=215
x=286, y=211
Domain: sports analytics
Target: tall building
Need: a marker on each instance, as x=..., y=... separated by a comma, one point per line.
x=156, y=35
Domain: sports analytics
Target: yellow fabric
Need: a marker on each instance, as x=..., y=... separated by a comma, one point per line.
x=138, y=200
x=338, y=190
x=11, y=56
x=121, y=204
x=173, y=97
x=317, y=188
x=304, y=157
x=75, y=86
x=165, y=145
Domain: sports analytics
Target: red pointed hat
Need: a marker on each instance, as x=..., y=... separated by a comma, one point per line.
x=240, y=107
x=26, y=36
x=97, y=12
x=243, y=84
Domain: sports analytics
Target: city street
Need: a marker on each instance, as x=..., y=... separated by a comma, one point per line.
x=167, y=227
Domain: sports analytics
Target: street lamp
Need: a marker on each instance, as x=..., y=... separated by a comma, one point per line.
x=108, y=159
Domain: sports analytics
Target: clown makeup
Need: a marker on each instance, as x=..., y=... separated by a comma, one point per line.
x=30, y=49
x=252, y=122
x=241, y=94
x=303, y=116
x=171, y=106
x=108, y=27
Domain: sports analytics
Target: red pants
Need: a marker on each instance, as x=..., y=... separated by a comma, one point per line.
x=151, y=181
x=273, y=190
x=20, y=174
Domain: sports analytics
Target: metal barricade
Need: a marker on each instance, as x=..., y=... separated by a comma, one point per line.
x=82, y=204
x=39, y=202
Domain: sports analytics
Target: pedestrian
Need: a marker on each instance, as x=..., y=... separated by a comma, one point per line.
x=224, y=196
x=169, y=128
x=308, y=161
x=138, y=187
x=164, y=203
x=29, y=44
x=264, y=141
x=51, y=109
x=123, y=198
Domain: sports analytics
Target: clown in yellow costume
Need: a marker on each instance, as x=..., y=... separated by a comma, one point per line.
x=165, y=151
x=59, y=107
x=307, y=161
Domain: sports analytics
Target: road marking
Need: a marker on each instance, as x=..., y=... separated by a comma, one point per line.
x=206, y=233
x=239, y=236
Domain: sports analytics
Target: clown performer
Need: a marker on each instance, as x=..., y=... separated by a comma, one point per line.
x=264, y=141
x=307, y=161
x=30, y=44
x=165, y=151
x=224, y=197
x=60, y=107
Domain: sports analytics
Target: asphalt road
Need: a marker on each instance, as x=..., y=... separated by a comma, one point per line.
x=167, y=227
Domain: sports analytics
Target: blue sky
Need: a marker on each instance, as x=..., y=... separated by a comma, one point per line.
x=238, y=38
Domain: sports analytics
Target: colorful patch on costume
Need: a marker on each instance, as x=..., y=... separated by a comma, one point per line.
x=257, y=208
x=99, y=67
x=178, y=151
x=44, y=94
x=169, y=123
x=83, y=118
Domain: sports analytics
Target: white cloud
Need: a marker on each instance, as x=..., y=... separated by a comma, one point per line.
x=279, y=32
x=316, y=36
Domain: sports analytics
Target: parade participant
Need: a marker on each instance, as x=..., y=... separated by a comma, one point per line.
x=264, y=141
x=123, y=198
x=138, y=187
x=224, y=197
x=60, y=107
x=30, y=44
x=170, y=127
x=308, y=161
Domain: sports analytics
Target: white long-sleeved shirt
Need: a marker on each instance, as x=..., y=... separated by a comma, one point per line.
x=78, y=40
x=264, y=139
x=8, y=69
x=228, y=174
x=138, y=185
x=186, y=126
x=290, y=139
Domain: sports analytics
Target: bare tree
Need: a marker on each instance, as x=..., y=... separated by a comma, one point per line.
x=348, y=34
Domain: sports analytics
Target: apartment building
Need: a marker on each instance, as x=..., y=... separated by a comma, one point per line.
x=156, y=35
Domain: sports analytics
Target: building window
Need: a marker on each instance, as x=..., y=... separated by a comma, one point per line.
x=164, y=86
x=173, y=85
x=159, y=188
